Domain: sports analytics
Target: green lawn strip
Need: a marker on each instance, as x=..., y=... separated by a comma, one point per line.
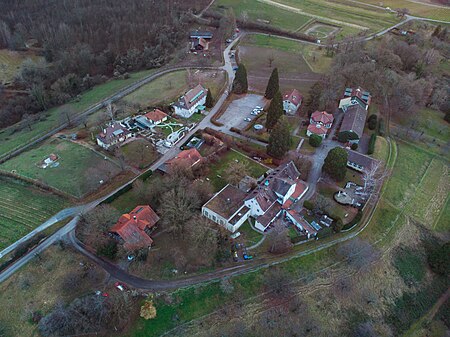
x=381, y=149
x=217, y=170
x=11, y=139
x=277, y=17
x=250, y=235
x=74, y=161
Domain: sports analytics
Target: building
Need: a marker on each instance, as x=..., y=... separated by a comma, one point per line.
x=189, y=158
x=356, y=96
x=156, y=116
x=197, y=34
x=275, y=194
x=292, y=101
x=133, y=228
x=304, y=226
x=227, y=208
x=191, y=102
x=113, y=135
x=320, y=123
x=199, y=44
x=358, y=161
x=353, y=123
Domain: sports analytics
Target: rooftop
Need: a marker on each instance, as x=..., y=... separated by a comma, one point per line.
x=156, y=115
x=227, y=201
x=293, y=96
x=354, y=120
x=322, y=117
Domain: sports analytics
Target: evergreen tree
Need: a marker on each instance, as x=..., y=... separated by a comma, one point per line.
x=240, y=84
x=315, y=140
x=273, y=86
x=336, y=163
x=275, y=111
x=280, y=139
x=209, y=103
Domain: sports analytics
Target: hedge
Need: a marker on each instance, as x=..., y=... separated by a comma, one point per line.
x=372, y=122
x=308, y=204
x=315, y=140
x=381, y=129
x=345, y=136
x=147, y=174
x=113, y=197
x=373, y=139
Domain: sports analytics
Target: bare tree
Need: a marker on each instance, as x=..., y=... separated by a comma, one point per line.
x=111, y=111
x=270, y=59
x=65, y=114
x=373, y=176
x=235, y=172
x=358, y=253
x=278, y=238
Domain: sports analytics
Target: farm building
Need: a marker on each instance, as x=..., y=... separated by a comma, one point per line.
x=356, y=96
x=358, y=161
x=133, y=228
x=292, y=101
x=191, y=102
x=352, y=127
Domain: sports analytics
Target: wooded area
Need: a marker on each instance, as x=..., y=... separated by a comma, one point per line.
x=84, y=43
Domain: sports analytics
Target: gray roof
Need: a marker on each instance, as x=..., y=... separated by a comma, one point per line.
x=359, y=159
x=354, y=120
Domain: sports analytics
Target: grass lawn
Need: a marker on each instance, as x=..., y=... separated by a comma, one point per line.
x=15, y=136
x=139, y=153
x=10, y=63
x=217, y=170
x=410, y=265
x=415, y=8
x=313, y=56
x=354, y=176
x=76, y=162
x=432, y=123
x=250, y=236
x=381, y=149
x=23, y=208
x=443, y=222
x=260, y=11
x=37, y=287
x=166, y=129
x=167, y=88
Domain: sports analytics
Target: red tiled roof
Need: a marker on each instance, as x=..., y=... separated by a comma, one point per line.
x=131, y=227
x=156, y=115
x=302, y=222
x=317, y=129
x=300, y=188
x=293, y=96
x=322, y=117
x=191, y=156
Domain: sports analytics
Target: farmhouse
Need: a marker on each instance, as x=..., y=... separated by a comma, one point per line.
x=132, y=229
x=358, y=161
x=156, y=116
x=320, y=123
x=191, y=102
x=199, y=44
x=352, y=127
x=197, y=34
x=227, y=208
x=292, y=101
x=112, y=135
x=188, y=158
x=356, y=96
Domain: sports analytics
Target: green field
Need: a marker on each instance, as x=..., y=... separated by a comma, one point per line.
x=76, y=162
x=16, y=135
x=432, y=123
x=167, y=88
x=10, y=62
x=314, y=57
x=416, y=8
x=294, y=14
x=217, y=170
x=23, y=208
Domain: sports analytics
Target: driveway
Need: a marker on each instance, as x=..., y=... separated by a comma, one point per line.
x=240, y=109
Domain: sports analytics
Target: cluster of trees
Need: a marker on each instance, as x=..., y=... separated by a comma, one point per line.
x=402, y=74
x=335, y=163
x=84, y=43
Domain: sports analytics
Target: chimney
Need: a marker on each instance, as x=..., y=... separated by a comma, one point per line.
x=134, y=217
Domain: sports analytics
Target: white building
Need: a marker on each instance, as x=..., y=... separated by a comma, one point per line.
x=191, y=102
x=113, y=135
x=292, y=101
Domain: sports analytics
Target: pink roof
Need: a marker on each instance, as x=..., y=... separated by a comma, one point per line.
x=156, y=115
x=322, y=117
x=293, y=96
x=317, y=129
x=191, y=156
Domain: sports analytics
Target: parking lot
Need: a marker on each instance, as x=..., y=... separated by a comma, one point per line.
x=240, y=109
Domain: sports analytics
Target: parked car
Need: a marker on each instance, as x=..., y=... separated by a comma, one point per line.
x=247, y=257
x=235, y=257
x=258, y=107
x=235, y=68
x=253, y=113
x=247, y=119
x=120, y=286
x=235, y=235
x=229, y=40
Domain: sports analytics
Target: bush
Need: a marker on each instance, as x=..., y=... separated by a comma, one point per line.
x=315, y=140
x=147, y=174
x=108, y=250
x=373, y=139
x=354, y=146
x=372, y=122
x=308, y=204
x=345, y=136
x=381, y=129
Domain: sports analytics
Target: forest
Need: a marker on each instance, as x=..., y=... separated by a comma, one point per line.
x=83, y=44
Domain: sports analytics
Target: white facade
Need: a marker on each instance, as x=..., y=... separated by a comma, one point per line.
x=289, y=107
x=346, y=102
x=186, y=113
x=218, y=219
x=116, y=141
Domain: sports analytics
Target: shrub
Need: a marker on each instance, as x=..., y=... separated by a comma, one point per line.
x=372, y=122
x=354, y=146
x=345, y=136
x=108, y=250
x=315, y=140
x=381, y=129
x=308, y=204
x=146, y=175
x=373, y=139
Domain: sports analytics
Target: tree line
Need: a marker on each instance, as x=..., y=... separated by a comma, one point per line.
x=84, y=43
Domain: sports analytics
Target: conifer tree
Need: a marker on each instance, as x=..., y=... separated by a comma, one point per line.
x=209, y=103
x=273, y=86
x=336, y=163
x=240, y=84
x=280, y=139
x=275, y=111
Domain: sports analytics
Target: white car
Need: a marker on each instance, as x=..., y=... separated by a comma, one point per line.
x=258, y=107
x=254, y=113
x=235, y=235
x=247, y=119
